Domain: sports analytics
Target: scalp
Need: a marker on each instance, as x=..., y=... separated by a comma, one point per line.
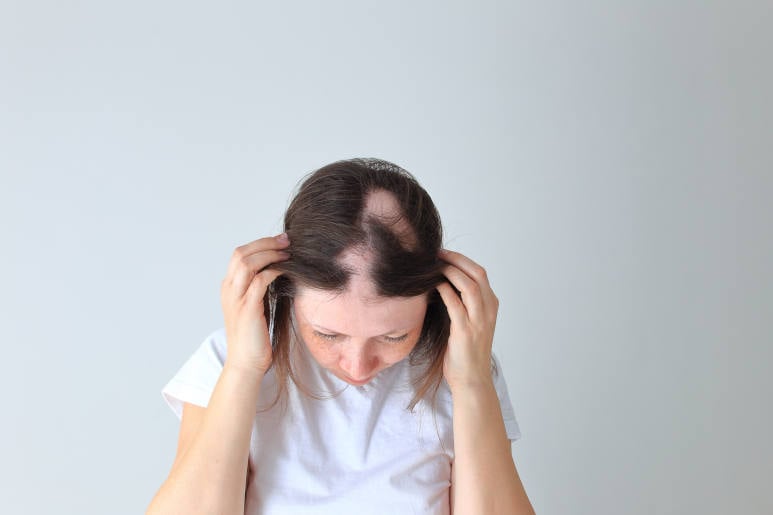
x=382, y=207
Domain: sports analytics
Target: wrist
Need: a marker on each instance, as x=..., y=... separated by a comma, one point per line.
x=472, y=386
x=246, y=370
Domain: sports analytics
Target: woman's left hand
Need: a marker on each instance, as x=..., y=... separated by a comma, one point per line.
x=473, y=317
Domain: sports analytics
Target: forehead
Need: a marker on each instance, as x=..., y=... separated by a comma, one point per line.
x=357, y=311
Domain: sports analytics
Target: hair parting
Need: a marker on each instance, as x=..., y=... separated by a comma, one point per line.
x=332, y=213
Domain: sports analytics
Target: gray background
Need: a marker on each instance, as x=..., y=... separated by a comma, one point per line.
x=609, y=163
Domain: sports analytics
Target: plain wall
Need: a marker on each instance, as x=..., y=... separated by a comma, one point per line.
x=610, y=163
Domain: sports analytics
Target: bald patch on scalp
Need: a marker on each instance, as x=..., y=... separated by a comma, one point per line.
x=357, y=261
x=382, y=206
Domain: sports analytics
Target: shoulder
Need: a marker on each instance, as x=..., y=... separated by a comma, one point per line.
x=506, y=404
x=217, y=336
x=496, y=367
x=215, y=344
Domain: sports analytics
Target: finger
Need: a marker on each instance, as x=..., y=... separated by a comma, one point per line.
x=474, y=270
x=257, y=288
x=247, y=267
x=470, y=290
x=456, y=310
x=466, y=264
x=278, y=242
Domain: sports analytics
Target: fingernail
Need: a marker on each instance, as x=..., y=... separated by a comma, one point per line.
x=283, y=238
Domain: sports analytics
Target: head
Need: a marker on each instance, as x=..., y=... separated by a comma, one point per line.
x=359, y=287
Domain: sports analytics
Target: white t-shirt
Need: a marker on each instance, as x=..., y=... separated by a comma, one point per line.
x=360, y=451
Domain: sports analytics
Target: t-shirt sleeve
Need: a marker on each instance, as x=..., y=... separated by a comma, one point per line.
x=508, y=414
x=196, y=379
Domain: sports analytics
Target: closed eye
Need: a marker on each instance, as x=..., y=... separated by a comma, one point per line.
x=395, y=339
x=389, y=339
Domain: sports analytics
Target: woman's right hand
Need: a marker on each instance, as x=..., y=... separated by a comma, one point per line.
x=241, y=296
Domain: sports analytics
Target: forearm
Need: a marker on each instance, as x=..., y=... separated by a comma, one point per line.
x=210, y=477
x=485, y=480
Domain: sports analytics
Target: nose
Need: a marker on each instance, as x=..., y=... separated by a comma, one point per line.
x=358, y=362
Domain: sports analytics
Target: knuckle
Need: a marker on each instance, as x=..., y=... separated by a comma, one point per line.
x=243, y=260
x=476, y=272
x=257, y=284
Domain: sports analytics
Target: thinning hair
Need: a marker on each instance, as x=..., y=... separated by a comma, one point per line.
x=366, y=205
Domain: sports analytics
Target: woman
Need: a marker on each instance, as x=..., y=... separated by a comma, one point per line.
x=354, y=373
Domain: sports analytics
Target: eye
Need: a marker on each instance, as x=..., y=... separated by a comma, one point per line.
x=395, y=339
x=326, y=336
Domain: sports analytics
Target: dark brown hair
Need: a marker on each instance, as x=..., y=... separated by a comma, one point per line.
x=327, y=217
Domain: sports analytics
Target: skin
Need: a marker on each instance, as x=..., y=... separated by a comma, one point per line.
x=484, y=479
x=211, y=466
x=349, y=334
x=209, y=472
x=357, y=334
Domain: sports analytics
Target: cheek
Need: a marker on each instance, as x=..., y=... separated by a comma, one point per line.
x=392, y=353
x=325, y=353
